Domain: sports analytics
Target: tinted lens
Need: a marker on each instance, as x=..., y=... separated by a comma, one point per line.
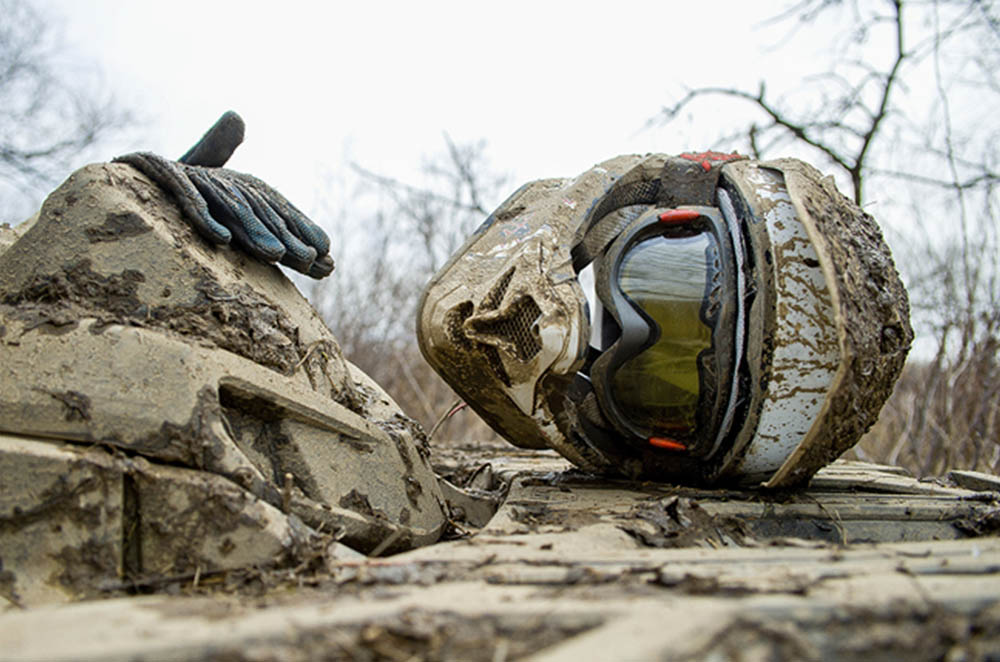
x=668, y=278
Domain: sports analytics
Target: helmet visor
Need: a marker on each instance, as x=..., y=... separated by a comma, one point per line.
x=669, y=280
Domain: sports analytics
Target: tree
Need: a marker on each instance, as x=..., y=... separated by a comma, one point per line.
x=906, y=109
x=370, y=302
x=50, y=118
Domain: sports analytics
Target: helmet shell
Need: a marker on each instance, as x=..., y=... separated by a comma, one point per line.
x=826, y=318
x=870, y=317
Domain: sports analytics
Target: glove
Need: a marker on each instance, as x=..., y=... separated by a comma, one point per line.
x=226, y=206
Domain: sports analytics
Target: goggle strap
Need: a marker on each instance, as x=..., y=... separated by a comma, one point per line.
x=627, y=191
x=592, y=410
x=691, y=179
x=685, y=180
x=602, y=233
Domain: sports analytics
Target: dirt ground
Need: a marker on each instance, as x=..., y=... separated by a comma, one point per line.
x=867, y=564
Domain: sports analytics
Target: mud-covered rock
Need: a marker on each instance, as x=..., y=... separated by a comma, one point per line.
x=121, y=328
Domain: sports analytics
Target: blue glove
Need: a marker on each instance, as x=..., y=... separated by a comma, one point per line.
x=226, y=206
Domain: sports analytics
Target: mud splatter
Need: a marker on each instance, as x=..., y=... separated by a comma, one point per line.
x=678, y=522
x=76, y=405
x=436, y=636
x=83, y=563
x=77, y=283
x=359, y=503
x=192, y=443
x=117, y=226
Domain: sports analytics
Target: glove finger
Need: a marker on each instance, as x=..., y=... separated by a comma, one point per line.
x=299, y=265
x=228, y=204
x=321, y=267
x=298, y=223
x=218, y=143
x=171, y=178
x=308, y=231
x=297, y=255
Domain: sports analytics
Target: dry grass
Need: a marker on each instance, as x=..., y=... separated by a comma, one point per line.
x=943, y=415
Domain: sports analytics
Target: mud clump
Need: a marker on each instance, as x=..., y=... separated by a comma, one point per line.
x=77, y=405
x=860, y=633
x=240, y=322
x=359, y=503
x=681, y=522
x=118, y=226
x=82, y=563
x=79, y=284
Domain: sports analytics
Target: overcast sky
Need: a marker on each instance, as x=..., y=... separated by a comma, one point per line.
x=552, y=87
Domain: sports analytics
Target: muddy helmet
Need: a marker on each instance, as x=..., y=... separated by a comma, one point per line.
x=699, y=318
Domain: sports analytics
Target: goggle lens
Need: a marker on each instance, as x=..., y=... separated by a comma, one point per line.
x=669, y=279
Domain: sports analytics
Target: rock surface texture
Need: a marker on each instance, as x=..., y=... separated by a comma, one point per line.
x=866, y=564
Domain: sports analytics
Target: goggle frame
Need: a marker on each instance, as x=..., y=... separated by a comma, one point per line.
x=639, y=332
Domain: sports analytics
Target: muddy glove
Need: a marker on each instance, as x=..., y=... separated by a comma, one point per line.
x=226, y=206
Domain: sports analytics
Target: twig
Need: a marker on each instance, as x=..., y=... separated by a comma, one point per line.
x=385, y=544
x=456, y=407
x=305, y=357
x=286, y=492
x=501, y=650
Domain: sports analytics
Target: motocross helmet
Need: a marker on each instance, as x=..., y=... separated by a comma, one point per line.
x=699, y=318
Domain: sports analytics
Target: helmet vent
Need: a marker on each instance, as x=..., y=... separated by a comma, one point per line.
x=514, y=328
x=455, y=328
x=454, y=319
x=493, y=298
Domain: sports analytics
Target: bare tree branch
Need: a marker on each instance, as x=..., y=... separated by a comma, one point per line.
x=371, y=303
x=49, y=118
x=857, y=171
x=818, y=133
x=801, y=131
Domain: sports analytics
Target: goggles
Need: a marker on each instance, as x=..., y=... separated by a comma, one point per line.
x=668, y=328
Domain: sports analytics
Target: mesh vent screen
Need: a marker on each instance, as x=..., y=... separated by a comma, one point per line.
x=516, y=328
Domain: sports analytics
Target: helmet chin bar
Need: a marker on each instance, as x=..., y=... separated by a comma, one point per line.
x=516, y=267
x=558, y=351
x=805, y=352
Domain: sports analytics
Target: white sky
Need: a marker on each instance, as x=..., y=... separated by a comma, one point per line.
x=552, y=87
